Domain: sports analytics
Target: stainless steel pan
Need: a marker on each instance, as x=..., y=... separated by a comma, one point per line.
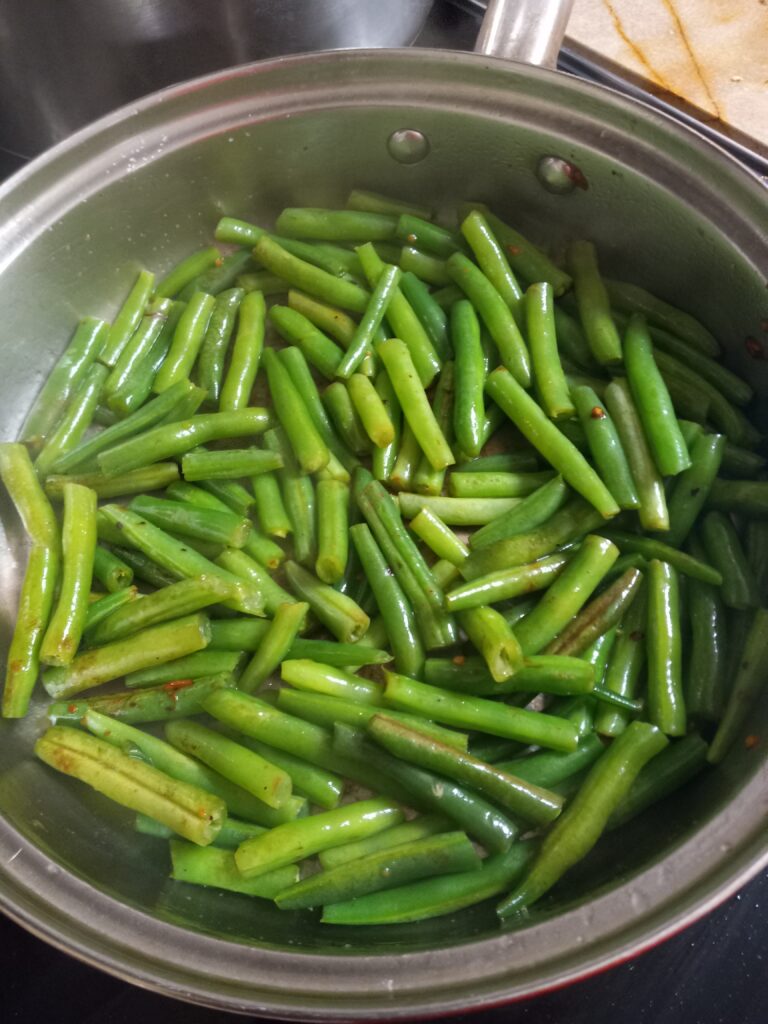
x=145, y=185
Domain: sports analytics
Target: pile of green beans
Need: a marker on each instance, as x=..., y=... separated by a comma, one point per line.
x=589, y=640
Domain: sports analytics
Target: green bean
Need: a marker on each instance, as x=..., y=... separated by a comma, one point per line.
x=652, y=401
x=35, y=603
x=342, y=616
x=593, y=303
x=76, y=419
x=456, y=511
x=118, y=384
x=193, y=666
x=469, y=409
x=190, y=520
x=572, y=341
x=310, y=675
x=371, y=410
x=300, y=274
x=724, y=550
x=575, y=519
x=338, y=401
x=632, y=299
x=427, y=479
x=374, y=202
x=478, y=713
x=227, y=465
x=599, y=616
x=414, y=403
x=495, y=314
x=540, y=673
x=246, y=353
x=531, y=803
x=104, y=605
x=524, y=258
x=304, y=837
x=605, y=447
x=336, y=225
x=438, y=537
x=757, y=552
x=408, y=457
x=506, y=583
x=178, y=558
x=153, y=646
x=110, y=570
x=177, y=600
x=492, y=636
x=741, y=462
x=274, y=646
x=215, y=344
x=692, y=488
x=78, y=543
x=666, y=703
x=137, y=386
x=172, y=439
x=402, y=632
x=549, y=768
x=384, y=286
x=223, y=274
x=665, y=774
x=127, y=319
x=187, y=339
x=420, y=232
x=64, y=379
x=318, y=349
x=247, y=634
x=706, y=683
x=332, y=530
x=232, y=833
x=744, y=497
x=746, y=687
x=143, y=567
x=333, y=321
x=432, y=317
x=178, y=698
x=445, y=297
x=653, y=510
x=34, y=509
x=214, y=867
x=548, y=374
x=649, y=548
x=386, y=869
x=625, y=664
x=496, y=484
x=235, y=762
x=383, y=459
x=323, y=710
x=428, y=269
x=273, y=517
x=534, y=510
x=585, y=818
x=493, y=262
x=188, y=810
x=466, y=808
x=299, y=496
x=237, y=564
x=321, y=787
x=409, y=831
x=262, y=281
x=187, y=270
x=305, y=440
x=567, y=595
x=546, y=438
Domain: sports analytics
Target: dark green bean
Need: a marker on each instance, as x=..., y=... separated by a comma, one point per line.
x=300, y=274
x=174, y=699
x=739, y=587
x=744, y=497
x=746, y=687
x=665, y=774
x=341, y=615
x=599, y=616
x=593, y=304
x=110, y=570
x=666, y=702
x=605, y=447
x=690, y=491
x=632, y=299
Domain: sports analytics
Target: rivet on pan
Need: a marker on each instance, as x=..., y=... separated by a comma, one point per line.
x=560, y=176
x=408, y=146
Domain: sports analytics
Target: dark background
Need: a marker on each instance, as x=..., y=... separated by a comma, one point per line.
x=712, y=973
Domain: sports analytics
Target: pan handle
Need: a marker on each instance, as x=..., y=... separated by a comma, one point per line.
x=530, y=31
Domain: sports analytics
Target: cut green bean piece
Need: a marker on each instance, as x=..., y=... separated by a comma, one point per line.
x=496, y=485
x=594, y=304
x=304, y=837
x=339, y=613
x=216, y=342
x=580, y=826
x=724, y=550
x=691, y=489
x=524, y=258
x=127, y=319
x=371, y=410
x=666, y=702
x=192, y=666
x=665, y=774
x=477, y=713
x=533, y=511
x=298, y=330
x=240, y=765
x=77, y=418
x=548, y=375
x=229, y=464
x=111, y=571
x=217, y=868
x=384, y=288
x=275, y=645
x=567, y=595
x=334, y=682
x=599, y=616
x=632, y=299
x=625, y=664
x=187, y=270
x=318, y=283
x=649, y=548
x=173, y=439
x=409, y=831
x=506, y=583
x=34, y=509
x=547, y=439
x=188, y=810
x=605, y=447
x=187, y=339
x=78, y=543
x=747, y=685
x=246, y=353
x=706, y=679
x=219, y=526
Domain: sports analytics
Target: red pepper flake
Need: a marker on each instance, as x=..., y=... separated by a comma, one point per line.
x=577, y=176
x=201, y=812
x=754, y=348
x=218, y=262
x=514, y=250
x=458, y=659
x=71, y=708
x=177, y=684
x=752, y=741
x=412, y=238
x=597, y=413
